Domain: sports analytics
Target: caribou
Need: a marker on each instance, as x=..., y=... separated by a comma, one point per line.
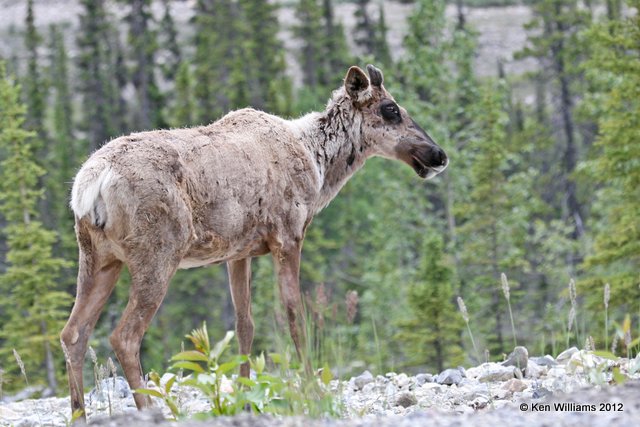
x=246, y=185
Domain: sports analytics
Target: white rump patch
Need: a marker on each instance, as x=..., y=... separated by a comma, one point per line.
x=90, y=182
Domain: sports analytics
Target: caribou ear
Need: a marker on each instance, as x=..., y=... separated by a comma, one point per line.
x=356, y=83
x=375, y=75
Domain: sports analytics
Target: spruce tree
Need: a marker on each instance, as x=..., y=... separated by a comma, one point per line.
x=556, y=43
x=311, y=54
x=614, y=70
x=169, y=52
x=225, y=73
x=336, y=50
x=34, y=307
x=382, y=51
x=142, y=39
x=365, y=29
x=432, y=333
x=65, y=153
x=34, y=84
x=266, y=53
x=491, y=236
x=95, y=81
x=183, y=110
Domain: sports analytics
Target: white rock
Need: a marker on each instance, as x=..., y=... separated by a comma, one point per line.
x=534, y=370
x=365, y=378
x=402, y=381
x=566, y=355
x=557, y=372
x=497, y=373
x=514, y=385
x=7, y=414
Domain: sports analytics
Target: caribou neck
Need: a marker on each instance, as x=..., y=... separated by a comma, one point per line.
x=334, y=143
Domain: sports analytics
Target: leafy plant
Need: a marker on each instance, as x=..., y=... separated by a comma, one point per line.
x=288, y=393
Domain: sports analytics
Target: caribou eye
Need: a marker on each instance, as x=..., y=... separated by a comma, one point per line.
x=390, y=111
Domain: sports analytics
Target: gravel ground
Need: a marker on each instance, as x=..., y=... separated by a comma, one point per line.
x=571, y=389
x=627, y=395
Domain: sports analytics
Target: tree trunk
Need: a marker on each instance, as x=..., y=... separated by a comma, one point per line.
x=570, y=152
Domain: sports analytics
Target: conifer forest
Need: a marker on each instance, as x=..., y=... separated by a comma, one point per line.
x=530, y=237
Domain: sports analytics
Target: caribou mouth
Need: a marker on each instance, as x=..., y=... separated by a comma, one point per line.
x=424, y=171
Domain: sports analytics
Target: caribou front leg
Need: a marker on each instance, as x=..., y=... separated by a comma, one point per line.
x=287, y=264
x=240, y=284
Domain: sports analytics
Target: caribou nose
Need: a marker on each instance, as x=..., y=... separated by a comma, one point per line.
x=439, y=157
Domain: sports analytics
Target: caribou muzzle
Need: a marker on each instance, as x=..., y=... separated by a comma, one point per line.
x=422, y=153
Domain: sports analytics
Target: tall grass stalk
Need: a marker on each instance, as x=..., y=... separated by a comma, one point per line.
x=570, y=321
x=573, y=297
x=506, y=292
x=607, y=295
x=26, y=380
x=1, y=381
x=377, y=342
x=465, y=316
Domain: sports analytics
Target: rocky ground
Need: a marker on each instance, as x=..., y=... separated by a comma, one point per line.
x=572, y=389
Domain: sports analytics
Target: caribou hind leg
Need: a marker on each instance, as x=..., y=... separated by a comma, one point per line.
x=240, y=283
x=97, y=276
x=152, y=260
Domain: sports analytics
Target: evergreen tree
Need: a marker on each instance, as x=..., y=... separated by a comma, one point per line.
x=615, y=71
x=491, y=233
x=323, y=56
x=225, y=73
x=184, y=109
x=34, y=307
x=311, y=55
x=364, y=33
x=382, y=51
x=34, y=84
x=432, y=333
x=143, y=42
x=169, y=53
x=336, y=49
x=438, y=75
x=65, y=154
x=556, y=44
x=273, y=90
x=95, y=80
x=118, y=74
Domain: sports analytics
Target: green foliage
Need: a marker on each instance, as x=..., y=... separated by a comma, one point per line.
x=284, y=394
x=241, y=63
x=433, y=332
x=169, y=50
x=614, y=70
x=33, y=308
x=143, y=43
x=184, y=108
x=35, y=85
x=64, y=155
x=100, y=74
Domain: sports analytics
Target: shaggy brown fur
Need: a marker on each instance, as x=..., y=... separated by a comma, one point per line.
x=246, y=185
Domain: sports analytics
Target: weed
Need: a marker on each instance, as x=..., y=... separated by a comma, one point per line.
x=607, y=296
x=465, y=316
x=288, y=393
x=505, y=291
x=26, y=380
